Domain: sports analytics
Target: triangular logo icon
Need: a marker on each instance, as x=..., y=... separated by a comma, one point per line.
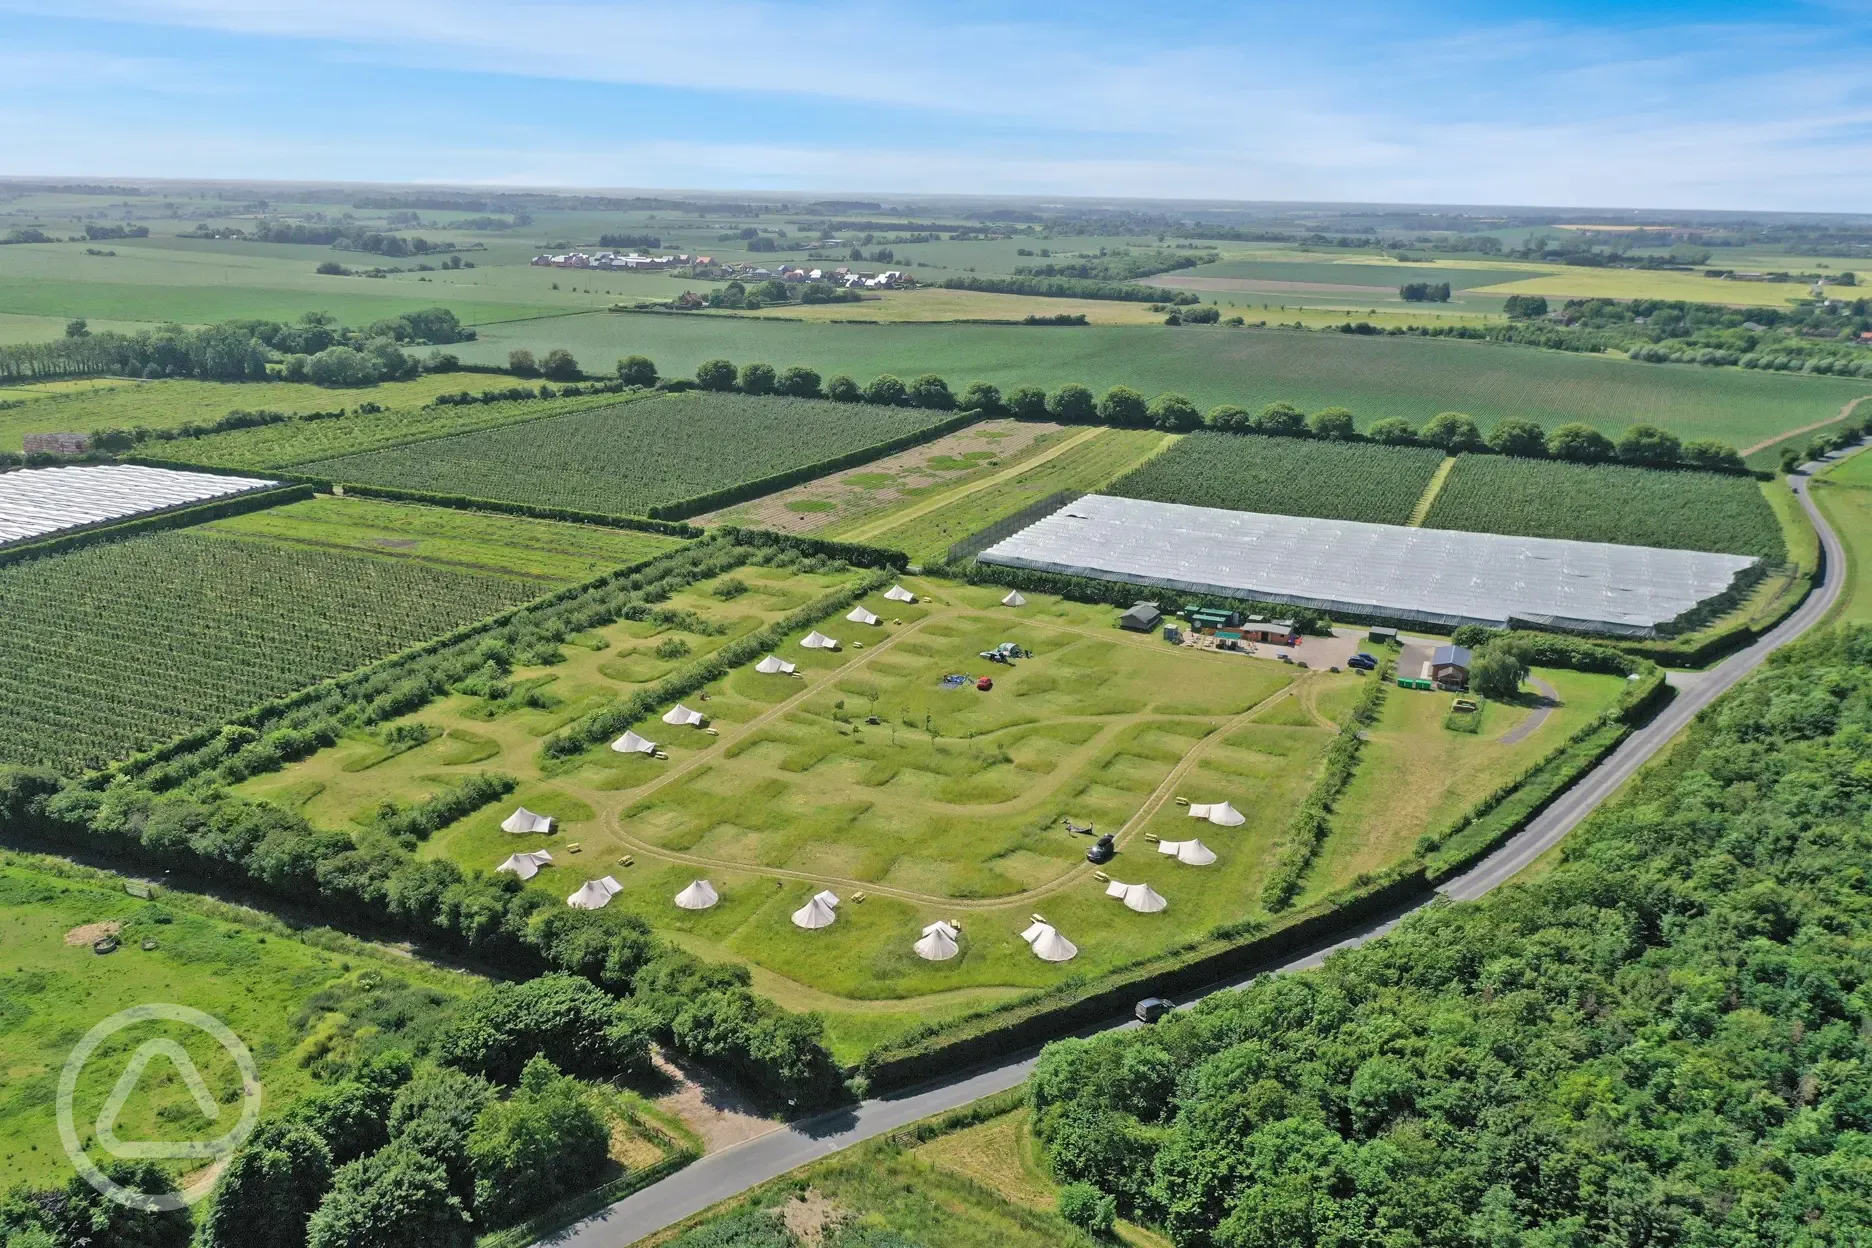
x=146, y=1052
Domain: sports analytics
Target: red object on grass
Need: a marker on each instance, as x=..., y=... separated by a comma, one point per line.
x=985, y=684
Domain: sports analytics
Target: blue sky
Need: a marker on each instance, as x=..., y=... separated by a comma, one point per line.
x=1644, y=104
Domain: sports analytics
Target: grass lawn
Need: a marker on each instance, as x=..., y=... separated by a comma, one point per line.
x=299, y=1001
x=925, y=528
x=950, y=807
x=1413, y=378
x=1844, y=495
x=1415, y=775
x=542, y=550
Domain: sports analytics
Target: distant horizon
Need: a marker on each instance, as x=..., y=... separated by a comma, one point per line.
x=894, y=201
x=1724, y=105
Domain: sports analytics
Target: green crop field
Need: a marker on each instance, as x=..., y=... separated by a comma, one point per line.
x=124, y=645
x=1286, y=476
x=297, y=442
x=1328, y=273
x=299, y=1006
x=925, y=528
x=625, y=460
x=1608, y=503
x=90, y=404
x=1412, y=378
x=543, y=550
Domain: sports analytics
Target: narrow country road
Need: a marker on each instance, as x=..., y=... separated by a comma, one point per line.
x=734, y=1170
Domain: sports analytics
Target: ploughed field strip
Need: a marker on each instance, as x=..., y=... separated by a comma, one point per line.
x=626, y=459
x=124, y=645
x=1437, y=577
x=43, y=502
x=1286, y=476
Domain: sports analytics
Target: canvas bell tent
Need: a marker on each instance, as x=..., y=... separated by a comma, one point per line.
x=816, y=913
x=774, y=665
x=1219, y=813
x=938, y=943
x=631, y=743
x=698, y=896
x=817, y=640
x=898, y=593
x=1190, y=853
x=526, y=865
x=680, y=714
x=1139, y=897
x=523, y=820
x=595, y=894
x=861, y=616
x=1048, y=945
x=1013, y=599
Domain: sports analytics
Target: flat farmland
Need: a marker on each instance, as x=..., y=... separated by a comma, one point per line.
x=626, y=459
x=1364, y=272
x=1568, y=282
x=1412, y=378
x=1608, y=503
x=1286, y=476
x=548, y=551
x=933, y=303
x=124, y=645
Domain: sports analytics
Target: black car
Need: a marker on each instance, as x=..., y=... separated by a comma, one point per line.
x=1150, y=1009
x=1363, y=660
x=1103, y=850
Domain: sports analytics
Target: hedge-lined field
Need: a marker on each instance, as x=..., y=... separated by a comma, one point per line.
x=1285, y=476
x=124, y=645
x=1608, y=503
x=626, y=460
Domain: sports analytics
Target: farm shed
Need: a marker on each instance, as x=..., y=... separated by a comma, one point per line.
x=1274, y=632
x=1208, y=619
x=1433, y=576
x=39, y=502
x=1449, y=667
x=1382, y=636
x=1142, y=617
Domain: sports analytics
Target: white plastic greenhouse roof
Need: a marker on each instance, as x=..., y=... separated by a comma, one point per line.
x=38, y=502
x=1433, y=576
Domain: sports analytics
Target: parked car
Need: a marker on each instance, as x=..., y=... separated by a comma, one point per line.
x=1103, y=850
x=1150, y=1009
x=1361, y=659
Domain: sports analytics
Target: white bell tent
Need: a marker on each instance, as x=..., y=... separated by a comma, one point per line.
x=898, y=593
x=1190, y=853
x=938, y=943
x=595, y=894
x=815, y=914
x=817, y=640
x=680, y=714
x=631, y=743
x=698, y=896
x=774, y=665
x=1139, y=897
x=861, y=616
x=1048, y=945
x=524, y=820
x=1014, y=599
x=526, y=865
x=1221, y=814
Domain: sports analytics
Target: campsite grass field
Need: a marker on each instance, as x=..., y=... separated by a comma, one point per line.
x=301, y=1000
x=124, y=645
x=1844, y=495
x=629, y=459
x=926, y=527
x=548, y=551
x=1608, y=503
x=1286, y=476
x=951, y=806
x=1412, y=378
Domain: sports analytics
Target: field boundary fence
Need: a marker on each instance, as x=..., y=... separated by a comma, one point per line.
x=975, y=543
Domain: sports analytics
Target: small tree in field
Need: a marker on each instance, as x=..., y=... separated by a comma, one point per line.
x=637, y=370
x=1332, y=423
x=559, y=365
x=886, y=391
x=1125, y=407
x=1175, y=413
x=521, y=364
x=1497, y=672
x=1028, y=403
x=1088, y=1208
x=757, y=378
x=982, y=397
x=799, y=382
x=716, y=375
x=842, y=389
x=1072, y=404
